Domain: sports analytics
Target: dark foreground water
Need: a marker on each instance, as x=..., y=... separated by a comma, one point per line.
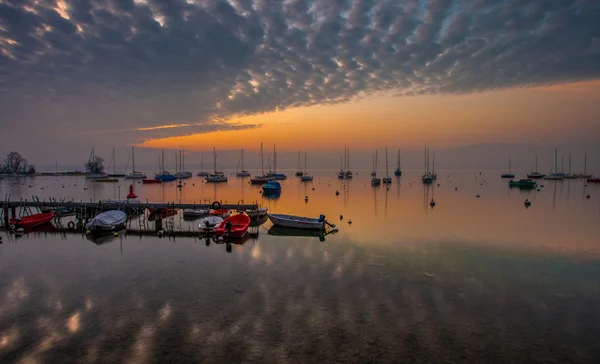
x=473, y=280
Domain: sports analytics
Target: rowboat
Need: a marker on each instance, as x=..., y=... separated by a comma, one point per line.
x=107, y=221
x=271, y=187
x=593, y=180
x=31, y=220
x=210, y=223
x=259, y=180
x=150, y=181
x=297, y=222
x=223, y=213
x=235, y=226
x=195, y=212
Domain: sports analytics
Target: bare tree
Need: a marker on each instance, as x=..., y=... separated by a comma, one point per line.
x=14, y=163
x=95, y=166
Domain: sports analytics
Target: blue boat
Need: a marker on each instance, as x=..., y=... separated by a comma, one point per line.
x=165, y=177
x=272, y=187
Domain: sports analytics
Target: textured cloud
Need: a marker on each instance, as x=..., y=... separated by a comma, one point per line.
x=125, y=64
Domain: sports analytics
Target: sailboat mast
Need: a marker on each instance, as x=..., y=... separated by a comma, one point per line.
x=375, y=161
x=562, y=164
x=536, y=164
x=115, y=162
x=262, y=160
x=182, y=160
x=298, y=161
x=569, y=163
x=132, y=159
x=433, y=166
x=215, y=159
x=348, y=160
x=242, y=159
x=162, y=160
x=509, y=165
x=555, y=161
x=387, y=174
x=585, y=164
x=304, y=162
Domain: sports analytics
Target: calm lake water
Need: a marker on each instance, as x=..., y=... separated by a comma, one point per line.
x=472, y=280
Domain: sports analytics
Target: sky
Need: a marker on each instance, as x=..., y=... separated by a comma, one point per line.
x=477, y=80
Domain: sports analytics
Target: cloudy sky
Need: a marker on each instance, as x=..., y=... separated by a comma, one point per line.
x=306, y=74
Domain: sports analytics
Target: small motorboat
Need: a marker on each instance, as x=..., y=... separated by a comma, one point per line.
x=507, y=175
x=593, y=180
x=165, y=177
x=235, y=226
x=258, y=213
x=555, y=177
x=151, y=181
x=31, y=220
x=216, y=177
x=272, y=187
x=108, y=221
x=375, y=181
x=210, y=223
x=522, y=183
x=298, y=222
x=259, y=180
x=223, y=213
x=306, y=178
x=536, y=175
x=195, y=212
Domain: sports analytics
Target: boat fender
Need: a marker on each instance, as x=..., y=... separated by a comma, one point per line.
x=588, y=196
x=13, y=227
x=321, y=218
x=71, y=225
x=216, y=205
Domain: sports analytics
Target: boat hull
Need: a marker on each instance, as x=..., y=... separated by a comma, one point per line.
x=239, y=226
x=107, y=221
x=151, y=181
x=593, y=180
x=296, y=222
x=32, y=220
x=209, y=224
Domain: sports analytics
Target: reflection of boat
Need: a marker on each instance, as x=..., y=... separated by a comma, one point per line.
x=286, y=231
x=210, y=223
x=593, y=180
x=234, y=226
x=31, y=220
x=298, y=222
x=165, y=213
x=258, y=213
x=104, y=237
x=509, y=174
x=272, y=187
x=242, y=172
x=522, y=183
x=107, y=221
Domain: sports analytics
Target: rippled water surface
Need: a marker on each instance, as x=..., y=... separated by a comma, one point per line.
x=472, y=280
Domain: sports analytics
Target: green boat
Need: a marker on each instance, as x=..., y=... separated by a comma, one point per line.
x=522, y=183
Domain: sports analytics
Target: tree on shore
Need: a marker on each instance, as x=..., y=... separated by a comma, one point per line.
x=95, y=165
x=16, y=163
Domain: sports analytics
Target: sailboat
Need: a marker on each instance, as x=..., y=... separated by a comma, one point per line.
x=348, y=174
x=181, y=173
x=134, y=174
x=398, y=171
x=202, y=173
x=555, y=176
x=90, y=174
x=113, y=161
x=387, y=180
x=243, y=172
x=536, y=174
x=164, y=176
x=299, y=173
x=262, y=179
x=509, y=174
x=274, y=174
x=569, y=175
x=375, y=181
x=584, y=174
x=433, y=174
x=216, y=176
x=305, y=177
x=427, y=177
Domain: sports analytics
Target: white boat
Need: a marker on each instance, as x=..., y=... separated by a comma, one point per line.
x=297, y=222
x=107, y=221
x=258, y=213
x=202, y=173
x=305, y=177
x=242, y=172
x=210, y=223
x=195, y=212
x=217, y=176
x=180, y=167
x=134, y=174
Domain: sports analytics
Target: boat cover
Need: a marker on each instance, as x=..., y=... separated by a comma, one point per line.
x=107, y=220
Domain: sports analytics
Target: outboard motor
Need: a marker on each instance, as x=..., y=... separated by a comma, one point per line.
x=321, y=218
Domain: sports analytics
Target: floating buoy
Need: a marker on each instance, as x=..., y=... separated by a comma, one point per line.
x=116, y=233
x=87, y=232
x=131, y=194
x=160, y=233
x=341, y=217
x=350, y=221
x=588, y=196
x=477, y=196
x=306, y=199
x=438, y=185
x=527, y=203
x=541, y=185
x=432, y=203
x=337, y=193
x=313, y=188
x=455, y=188
x=539, y=189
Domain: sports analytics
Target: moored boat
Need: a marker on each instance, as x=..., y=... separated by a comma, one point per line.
x=593, y=180
x=522, y=183
x=107, y=221
x=31, y=220
x=235, y=226
x=210, y=223
x=195, y=212
x=509, y=174
x=151, y=181
x=398, y=171
x=134, y=174
x=297, y=222
x=257, y=213
x=271, y=187
x=224, y=213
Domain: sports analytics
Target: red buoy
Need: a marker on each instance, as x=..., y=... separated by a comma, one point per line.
x=131, y=194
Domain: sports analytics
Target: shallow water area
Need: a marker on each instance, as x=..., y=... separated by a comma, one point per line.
x=473, y=279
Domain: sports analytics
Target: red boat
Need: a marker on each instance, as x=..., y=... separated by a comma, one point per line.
x=239, y=226
x=32, y=220
x=259, y=180
x=150, y=181
x=594, y=180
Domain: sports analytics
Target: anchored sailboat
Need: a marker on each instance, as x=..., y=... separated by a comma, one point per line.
x=181, y=173
x=113, y=162
x=375, y=181
x=202, y=172
x=299, y=173
x=427, y=177
x=569, y=175
x=91, y=171
x=387, y=180
x=398, y=171
x=305, y=177
x=509, y=174
x=216, y=176
x=262, y=179
x=134, y=174
x=348, y=174
x=274, y=174
x=243, y=172
x=584, y=174
x=536, y=174
x=555, y=176
x=164, y=176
